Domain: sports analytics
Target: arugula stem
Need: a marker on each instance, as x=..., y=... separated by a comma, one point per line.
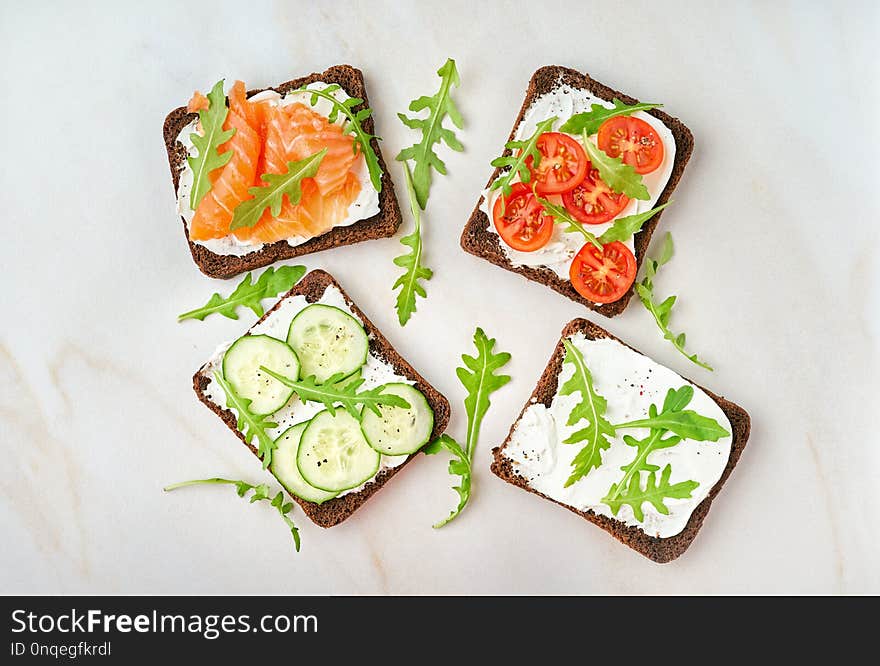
x=195, y=482
x=561, y=215
x=211, y=309
x=255, y=427
x=668, y=335
x=337, y=394
x=436, y=118
x=409, y=281
x=634, y=467
x=639, y=423
x=474, y=425
x=591, y=238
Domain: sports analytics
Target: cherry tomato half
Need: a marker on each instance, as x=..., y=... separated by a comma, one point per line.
x=592, y=201
x=603, y=276
x=562, y=166
x=521, y=221
x=633, y=139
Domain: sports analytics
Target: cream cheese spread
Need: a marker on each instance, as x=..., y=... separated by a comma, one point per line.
x=375, y=371
x=630, y=382
x=365, y=205
x=563, y=102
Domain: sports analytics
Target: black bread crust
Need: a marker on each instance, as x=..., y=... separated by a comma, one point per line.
x=654, y=548
x=334, y=511
x=476, y=238
x=382, y=225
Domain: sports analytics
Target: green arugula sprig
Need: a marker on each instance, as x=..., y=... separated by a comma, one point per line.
x=479, y=378
x=515, y=163
x=622, y=230
x=249, y=294
x=340, y=389
x=618, y=175
x=573, y=225
x=590, y=121
x=662, y=311
x=353, y=125
x=625, y=228
x=249, y=424
x=682, y=423
x=411, y=261
x=271, y=196
x=422, y=153
x=261, y=492
x=655, y=493
x=591, y=407
x=213, y=135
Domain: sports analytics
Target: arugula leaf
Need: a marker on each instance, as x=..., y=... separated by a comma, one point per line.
x=247, y=294
x=209, y=158
x=619, y=176
x=251, y=425
x=625, y=228
x=653, y=492
x=408, y=283
x=561, y=214
x=592, y=408
x=685, y=423
x=460, y=465
x=261, y=492
x=662, y=311
x=271, y=196
x=479, y=378
x=516, y=161
x=353, y=126
x=589, y=121
x=433, y=132
x=628, y=490
x=341, y=389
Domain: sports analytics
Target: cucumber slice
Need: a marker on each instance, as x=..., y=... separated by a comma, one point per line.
x=399, y=431
x=285, y=470
x=334, y=454
x=241, y=367
x=328, y=341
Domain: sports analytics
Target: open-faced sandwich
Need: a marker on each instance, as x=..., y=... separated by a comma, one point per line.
x=576, y=195
x=323, y=399
x=277, y=173
x=624, y=442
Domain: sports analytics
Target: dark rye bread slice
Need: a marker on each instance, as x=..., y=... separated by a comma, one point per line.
x=334, y=511
x=478, y=240
x=381, y=225
x=657, y=549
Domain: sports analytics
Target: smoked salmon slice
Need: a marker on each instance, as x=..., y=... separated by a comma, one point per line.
x=293, y=133
x=267, y=138
x=214, y=213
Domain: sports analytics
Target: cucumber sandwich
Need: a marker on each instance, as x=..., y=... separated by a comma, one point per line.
x=324, y=400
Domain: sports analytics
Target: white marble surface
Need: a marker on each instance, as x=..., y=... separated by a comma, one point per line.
x=776, y=223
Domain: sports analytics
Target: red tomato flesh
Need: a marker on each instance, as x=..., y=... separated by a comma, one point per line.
x=592, y=201
x=603, y=276
x=633, y=139
x=562, y=166
x=521, y=221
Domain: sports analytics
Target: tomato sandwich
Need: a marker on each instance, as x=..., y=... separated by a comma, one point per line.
x=579, y=189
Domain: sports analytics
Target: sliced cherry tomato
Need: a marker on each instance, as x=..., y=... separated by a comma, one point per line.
x=562, y=166
x=521, y=221
x=592, y=201
x=603, y=276
x=634, y=139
